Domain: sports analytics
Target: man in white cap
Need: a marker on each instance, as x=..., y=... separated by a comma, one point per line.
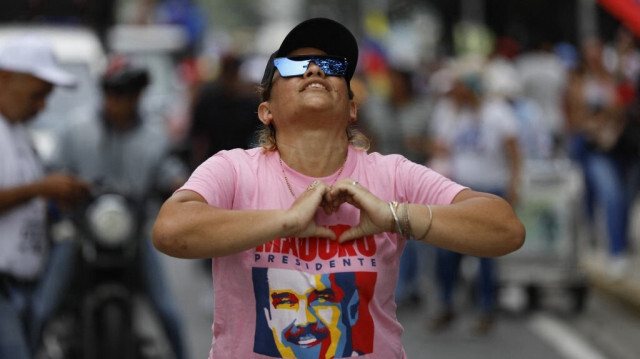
x=28, y=73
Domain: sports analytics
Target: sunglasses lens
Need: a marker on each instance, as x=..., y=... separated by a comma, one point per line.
x=332, y=66
x=288, y=67
x=297, y=66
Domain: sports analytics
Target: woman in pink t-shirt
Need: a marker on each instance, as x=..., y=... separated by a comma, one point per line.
x=306, y=231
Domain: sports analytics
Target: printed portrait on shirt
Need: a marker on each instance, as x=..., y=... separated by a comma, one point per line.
x=303, y=315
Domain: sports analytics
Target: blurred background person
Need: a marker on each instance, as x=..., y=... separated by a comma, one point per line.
x=224, y=114
x=629, y=144
x=115, y=147
x=411, y=109
x=477, y=138
x=543, y=78
x=28, y=73
x=595, y=121
x=503, y=82
x=621, y=57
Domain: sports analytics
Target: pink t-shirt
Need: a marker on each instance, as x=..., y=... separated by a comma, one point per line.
x=310, y=297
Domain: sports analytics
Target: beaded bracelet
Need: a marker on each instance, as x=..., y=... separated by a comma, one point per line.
x=405, y=224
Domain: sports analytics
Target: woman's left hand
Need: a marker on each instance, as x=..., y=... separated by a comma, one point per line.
x=375, y=215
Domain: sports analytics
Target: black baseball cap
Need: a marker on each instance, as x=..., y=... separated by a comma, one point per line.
x=124, y=77
x=321, y=33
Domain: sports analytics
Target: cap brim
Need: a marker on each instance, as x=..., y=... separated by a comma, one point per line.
x=56, y=77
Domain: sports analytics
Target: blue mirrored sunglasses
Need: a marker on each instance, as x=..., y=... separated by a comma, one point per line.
x=297, y=65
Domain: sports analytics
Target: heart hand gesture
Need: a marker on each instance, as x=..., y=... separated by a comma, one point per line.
x=375, y=216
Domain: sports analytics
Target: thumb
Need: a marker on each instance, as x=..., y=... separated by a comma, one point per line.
x=323, y=232
x=351, y=234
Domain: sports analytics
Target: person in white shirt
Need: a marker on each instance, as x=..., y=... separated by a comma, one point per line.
x=476, y=138
x=28, y=73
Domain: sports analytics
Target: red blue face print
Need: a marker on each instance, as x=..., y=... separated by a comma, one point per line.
x=301, y=315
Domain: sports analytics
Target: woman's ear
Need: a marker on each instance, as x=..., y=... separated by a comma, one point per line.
x=353, y=111
x=264, y=113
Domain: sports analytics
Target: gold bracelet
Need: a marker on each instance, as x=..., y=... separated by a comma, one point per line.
x=428, y=225
x=393, y=205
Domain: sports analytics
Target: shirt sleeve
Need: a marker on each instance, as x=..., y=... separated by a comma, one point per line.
x=421, y=184
x=214, y=180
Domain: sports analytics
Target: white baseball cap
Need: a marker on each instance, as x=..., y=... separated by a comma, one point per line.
x=34, y=56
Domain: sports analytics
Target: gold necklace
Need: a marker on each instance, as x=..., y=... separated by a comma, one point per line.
x=286, y=179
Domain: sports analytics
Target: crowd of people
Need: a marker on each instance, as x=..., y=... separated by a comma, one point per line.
x=327, y=172
x=479, y=119
x=111, y=145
